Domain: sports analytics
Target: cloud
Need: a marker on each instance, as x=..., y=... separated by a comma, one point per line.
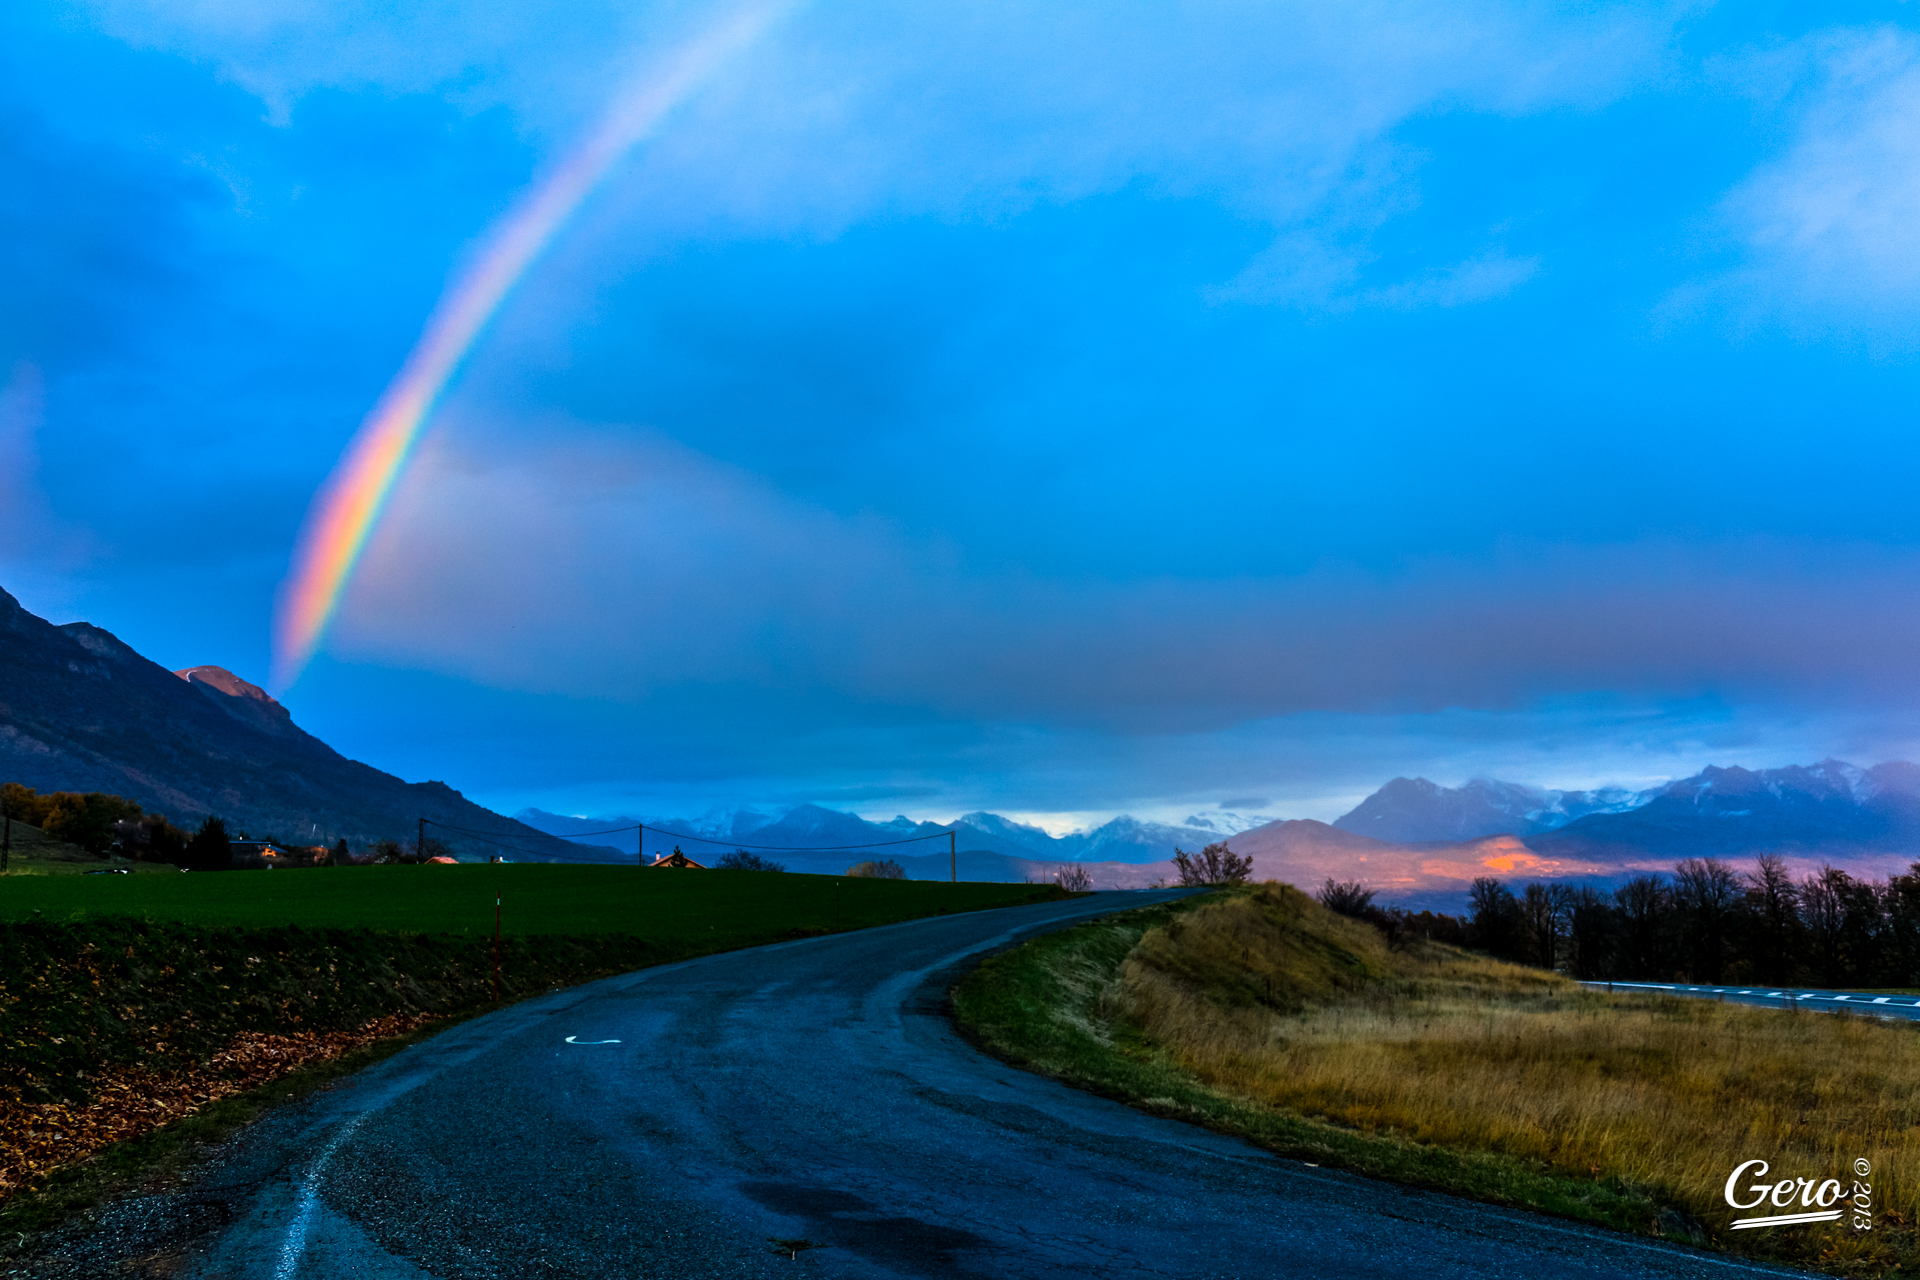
x=615, y=563
x=878, y=109
x=1491, y=275
x=1306, y=271
x=1828, y=225
x=30, y=534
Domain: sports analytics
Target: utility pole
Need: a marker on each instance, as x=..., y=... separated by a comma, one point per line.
x=496, y=951
x=420, y=845
x=640, y=846
x=953, y=855
x=6, y=839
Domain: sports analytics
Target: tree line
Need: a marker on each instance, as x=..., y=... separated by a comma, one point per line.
x=1707, y=922
x=104, y=824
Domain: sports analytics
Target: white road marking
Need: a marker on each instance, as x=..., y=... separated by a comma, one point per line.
x=309, y=1196
x=571, y=1040
x=1785, y=1220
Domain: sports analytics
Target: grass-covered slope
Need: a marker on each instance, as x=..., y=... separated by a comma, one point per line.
x=1259, y=1012
x=35, y=853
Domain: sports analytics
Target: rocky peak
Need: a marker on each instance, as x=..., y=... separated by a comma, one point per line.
x=228, y=683
x=248, y=701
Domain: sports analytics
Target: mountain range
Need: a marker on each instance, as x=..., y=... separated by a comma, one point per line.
x=1413, y=840
x=1832, y=809
x=993, y=847
x=1414, y=810
x=81, y=711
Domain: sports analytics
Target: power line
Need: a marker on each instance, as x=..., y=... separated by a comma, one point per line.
x=533, y=853
x=681, y=835
x=816, y=848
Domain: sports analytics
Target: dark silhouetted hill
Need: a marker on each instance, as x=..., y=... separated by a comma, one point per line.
x=80, y=711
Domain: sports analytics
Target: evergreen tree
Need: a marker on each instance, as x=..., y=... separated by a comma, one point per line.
x=210, y=849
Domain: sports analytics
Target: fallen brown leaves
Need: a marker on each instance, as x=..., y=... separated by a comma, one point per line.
x=130, y=1101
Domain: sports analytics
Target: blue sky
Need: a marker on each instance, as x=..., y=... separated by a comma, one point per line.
x=1049, y=409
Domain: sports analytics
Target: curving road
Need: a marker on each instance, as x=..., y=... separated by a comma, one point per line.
x=673, y=1122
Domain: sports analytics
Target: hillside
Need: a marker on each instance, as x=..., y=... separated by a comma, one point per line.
x=81, y=711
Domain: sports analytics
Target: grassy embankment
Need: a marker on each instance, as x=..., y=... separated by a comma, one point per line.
x=1259, y=1012
x=35, y=853
x=130, y=1004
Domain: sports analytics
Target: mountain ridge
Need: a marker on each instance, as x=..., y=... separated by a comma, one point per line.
x=808, y=829
x=81, y=710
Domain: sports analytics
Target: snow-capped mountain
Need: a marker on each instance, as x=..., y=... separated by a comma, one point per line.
x=1413, y=810
x=808, y=834
x=1828, y=809
x=1813, y=811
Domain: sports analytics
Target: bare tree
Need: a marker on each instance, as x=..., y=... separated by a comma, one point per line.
x=1215, y=864
x=1546, y=910
x=1643, y=903
x=1591, y=931
x=1496, y=924
x=1074, y=879
x=1705, y=892
x=1773, y=905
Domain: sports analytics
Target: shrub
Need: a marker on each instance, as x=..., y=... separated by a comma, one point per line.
x=742, y=860
x=1215, y=864
x=1347, y=897
x=885, y=870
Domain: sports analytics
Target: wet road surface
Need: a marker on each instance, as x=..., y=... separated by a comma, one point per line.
x=677, y=1121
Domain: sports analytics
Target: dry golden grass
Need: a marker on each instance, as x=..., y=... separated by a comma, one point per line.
x=1446, y=1048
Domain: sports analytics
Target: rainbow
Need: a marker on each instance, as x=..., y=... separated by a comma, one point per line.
x=348, y=505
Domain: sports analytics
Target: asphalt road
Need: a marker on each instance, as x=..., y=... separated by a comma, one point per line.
x=676, y=1121
x=1870, y=1003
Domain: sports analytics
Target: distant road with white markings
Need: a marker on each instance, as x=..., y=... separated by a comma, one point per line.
x=1874, y=1003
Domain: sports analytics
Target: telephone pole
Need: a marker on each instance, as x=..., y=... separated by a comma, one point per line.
x=6, y=840
x=420, y=845
x=640, y=846
x=953, y=856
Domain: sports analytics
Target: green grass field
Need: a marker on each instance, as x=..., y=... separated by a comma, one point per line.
x=717, y=908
